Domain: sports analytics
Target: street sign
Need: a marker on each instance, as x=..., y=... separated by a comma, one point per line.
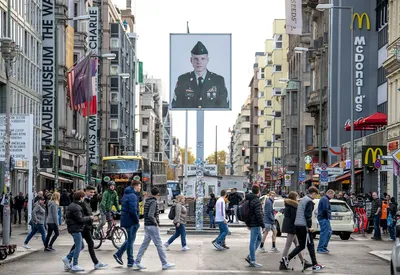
x=323, y=166
x=308, y=159
x=324, y=176
x=387, y=157
x=387, y=168
x=302, y=176
x=290, y=172
x=288, y=180
x=396, y=156
x=378, y=164
x=330, y=170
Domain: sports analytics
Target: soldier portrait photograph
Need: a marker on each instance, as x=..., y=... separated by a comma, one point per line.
x=202, y=86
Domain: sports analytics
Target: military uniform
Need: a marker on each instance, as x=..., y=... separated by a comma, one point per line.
x=208, y=91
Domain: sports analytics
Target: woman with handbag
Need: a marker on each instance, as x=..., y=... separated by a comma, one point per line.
x=37, y=222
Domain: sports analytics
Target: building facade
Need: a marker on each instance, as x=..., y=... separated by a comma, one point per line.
x=167, y=133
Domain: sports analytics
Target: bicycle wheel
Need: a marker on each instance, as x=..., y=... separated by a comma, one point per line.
x=118, y=236
x=97, y=238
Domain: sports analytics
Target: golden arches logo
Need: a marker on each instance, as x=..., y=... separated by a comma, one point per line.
x=361, y=20
x=374, y=153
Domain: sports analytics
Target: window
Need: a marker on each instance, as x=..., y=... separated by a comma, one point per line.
x=260, y=112
x=277, y=137
x=307, y=91
x=260, y=149
x=314, y=80
x=268, y=103
x=293, y=104
x=277, y=161
x=260, y=167
x=277, y=68
x=308, y=66
x=114, y=97
x=268, y=143
x=114, y=124
x=276, y=91
x=278, y=41
x=381, y=76
x=277, y=114
x=309, y=135
x=293, y=147
x=114, y=69
x=260, y=94
x=268, y=82
x=269, y=123
x=269, y=163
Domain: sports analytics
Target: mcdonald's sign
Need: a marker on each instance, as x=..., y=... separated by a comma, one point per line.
x=360, y=20
x=371, y=153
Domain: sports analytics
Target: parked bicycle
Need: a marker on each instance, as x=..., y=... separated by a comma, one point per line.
x=115, y=233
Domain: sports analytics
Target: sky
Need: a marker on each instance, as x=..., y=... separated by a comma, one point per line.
x=249, y=22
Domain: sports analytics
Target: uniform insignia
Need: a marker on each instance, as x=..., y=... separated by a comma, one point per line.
x=213, y=89
x=189, y=93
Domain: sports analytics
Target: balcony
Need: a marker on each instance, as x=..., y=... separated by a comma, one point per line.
x=245, y=124
x=313, y=100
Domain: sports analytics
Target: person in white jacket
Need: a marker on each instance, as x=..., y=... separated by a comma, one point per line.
x=221, y=221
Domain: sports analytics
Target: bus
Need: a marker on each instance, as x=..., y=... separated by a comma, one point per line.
x=175, y=187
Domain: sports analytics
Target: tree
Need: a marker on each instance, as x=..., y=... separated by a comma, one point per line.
x=170, y=174
x=191, y=157
x=221, y=156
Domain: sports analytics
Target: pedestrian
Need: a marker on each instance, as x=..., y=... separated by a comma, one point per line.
x=129, y=221
x=269, y=220
x=37, y=222
x=221, y=221
x=392, y=213
x=291, y=205
x=152, y=231
x=211, y=210
x=376, y=214
x=109, y=199
x=255, y=224
x=52, y=222
x=384, y=214
x=324, y=217
x=304, y=230
x=234, y=200
x=180, y=223
x=18, y=206
x=76, y=222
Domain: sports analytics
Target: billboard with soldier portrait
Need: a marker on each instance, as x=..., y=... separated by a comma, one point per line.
x=200, y=71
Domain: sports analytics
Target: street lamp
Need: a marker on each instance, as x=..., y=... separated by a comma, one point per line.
x=322, y=7
x=302, y=50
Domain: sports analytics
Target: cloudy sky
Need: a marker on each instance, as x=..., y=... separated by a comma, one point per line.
x=250, y=23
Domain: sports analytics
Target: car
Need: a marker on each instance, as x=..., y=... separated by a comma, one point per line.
x=342, y=221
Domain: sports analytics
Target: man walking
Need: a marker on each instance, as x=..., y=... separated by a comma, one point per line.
x=269, y=220
x=376, y=212
x=109, y=199
x=255, y=224
x=220, y=220
x=324, y=216
x=234, y=200
x=129, y=221
x=18, y=205
x=152, y=232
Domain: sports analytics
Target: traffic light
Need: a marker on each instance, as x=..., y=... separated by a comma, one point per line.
x=243, y=151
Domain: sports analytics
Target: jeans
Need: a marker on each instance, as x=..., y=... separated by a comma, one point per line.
x=223, y=231
x=179, y=231
x=87, y=235
x=377, y=229
x=78, y=243
x=37, y=228
x=255, y=240
x=51, y=227
x=128, y=244
x=392, y=231
x=152, y=233
x=291, y=238
x=212, y=218
x=105, y=217
x=19, y=212
x=301, y=233
x=324, y=235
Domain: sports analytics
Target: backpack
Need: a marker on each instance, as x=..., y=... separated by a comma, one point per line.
x=171, y=214
x=243, y=212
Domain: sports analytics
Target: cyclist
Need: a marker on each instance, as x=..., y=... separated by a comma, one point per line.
x=109, y=199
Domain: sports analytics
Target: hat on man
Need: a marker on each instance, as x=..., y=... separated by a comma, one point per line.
x=199, y=49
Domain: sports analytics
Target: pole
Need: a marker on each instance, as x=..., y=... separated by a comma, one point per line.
x=298, y=125
x=88, y=120
x=379, y=182
x=273, y=156
x=56, y=144
x=200, y=170
x=320, y=115
x=107, y=103
x=186, y=137
x=352, y=105
x=216, y=147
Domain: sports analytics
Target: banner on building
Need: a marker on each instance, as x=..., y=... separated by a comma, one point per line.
x=94, y=47
x=48, y=71
x=294, y=18
x=371, y=153
x=156, y=138
x=46, y=159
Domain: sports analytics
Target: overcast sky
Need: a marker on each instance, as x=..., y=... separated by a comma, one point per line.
x=250, y=23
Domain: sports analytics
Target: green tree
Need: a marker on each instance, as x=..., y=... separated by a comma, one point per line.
x=191, y=157
x=221, y=156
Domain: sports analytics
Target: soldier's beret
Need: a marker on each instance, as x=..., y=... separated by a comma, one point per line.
x=199, y=49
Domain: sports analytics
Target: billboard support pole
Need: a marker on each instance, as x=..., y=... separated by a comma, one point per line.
x=200, y=170
x=186, y=141
x=353, y=184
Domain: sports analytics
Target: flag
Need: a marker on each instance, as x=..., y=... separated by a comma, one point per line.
x=78, y=84
x=93, y=98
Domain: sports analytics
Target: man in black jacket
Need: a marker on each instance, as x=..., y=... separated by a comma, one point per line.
x=255, y=224
x=234, y=200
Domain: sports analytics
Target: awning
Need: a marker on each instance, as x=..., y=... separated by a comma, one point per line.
x=347, y=175
x=78, y=175
x=377, y=119
x=52, y=177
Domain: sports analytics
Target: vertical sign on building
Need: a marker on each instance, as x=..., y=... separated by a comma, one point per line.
x=157, y=140
x=48, y=71
x=94, y=48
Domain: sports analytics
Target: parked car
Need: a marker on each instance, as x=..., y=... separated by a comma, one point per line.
x=395, y=258
x=342, y=221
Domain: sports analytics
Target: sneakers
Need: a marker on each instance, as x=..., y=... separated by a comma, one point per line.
x=67, y=264
x=26, y=246
x=167, y=266
x=317, y=267
x=185, y=248
x=247, y=259
x=138, y=266
x=306, y=264
x=262, y=249
x=282, y=266
x=77, y=268
x=285, y=261
x=48, y=249
x=218, y=246
x=166, y=246
x=274, y=250
x=118, y=259
x=255, y=264
x=225, y=246
x=100, y=265
x=322, y=252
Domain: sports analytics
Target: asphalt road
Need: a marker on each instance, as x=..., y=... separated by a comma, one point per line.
x=346, y=257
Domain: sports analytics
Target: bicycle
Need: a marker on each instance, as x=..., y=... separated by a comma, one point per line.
x=116, y=233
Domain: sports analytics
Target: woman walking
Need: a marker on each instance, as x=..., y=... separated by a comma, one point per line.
x=76, y=222
x=210, y=210
x=180, y=223
x=52, y=221
x=289, y=228
x=37, y=222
